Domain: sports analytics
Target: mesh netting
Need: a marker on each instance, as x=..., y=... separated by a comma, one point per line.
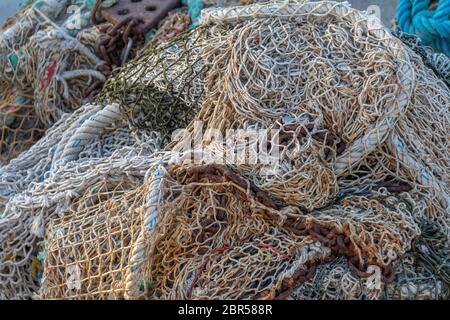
x=87, y=251
x=358, y=108
x=88, y=147
x=149, y=88
x=337, y=77
x=217, y=236
x=54, y=70
x=336, y=281
x=357, y=206
x=162, y=89
x=19, y=125
x=439, y=62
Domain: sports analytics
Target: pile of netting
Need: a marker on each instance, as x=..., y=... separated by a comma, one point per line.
x=52, y=62
x=44, y=72
x=345, y=196
x=87, y=155
x=439, y=62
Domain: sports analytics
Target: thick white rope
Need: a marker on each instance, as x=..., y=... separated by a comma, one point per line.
x=138, y=254
x=94, y=127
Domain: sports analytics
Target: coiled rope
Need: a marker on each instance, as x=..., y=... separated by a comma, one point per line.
x=432, y=25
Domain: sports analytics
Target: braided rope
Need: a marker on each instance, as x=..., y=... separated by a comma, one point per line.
x=432, y=26
x=93, y=127
x=140, y=249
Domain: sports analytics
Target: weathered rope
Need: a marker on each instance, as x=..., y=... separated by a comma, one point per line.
x=93, y=127
x=431, y=25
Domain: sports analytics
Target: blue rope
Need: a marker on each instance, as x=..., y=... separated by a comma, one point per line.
x=194, y=10
x=432, y=26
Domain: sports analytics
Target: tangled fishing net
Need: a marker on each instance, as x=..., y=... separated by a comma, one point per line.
x=52, y=71
x=89, y=147
x=229, y=243
x=20, y=126
x=354, y=203
x=99, y=263
x=439, y=62
x=58, y=66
